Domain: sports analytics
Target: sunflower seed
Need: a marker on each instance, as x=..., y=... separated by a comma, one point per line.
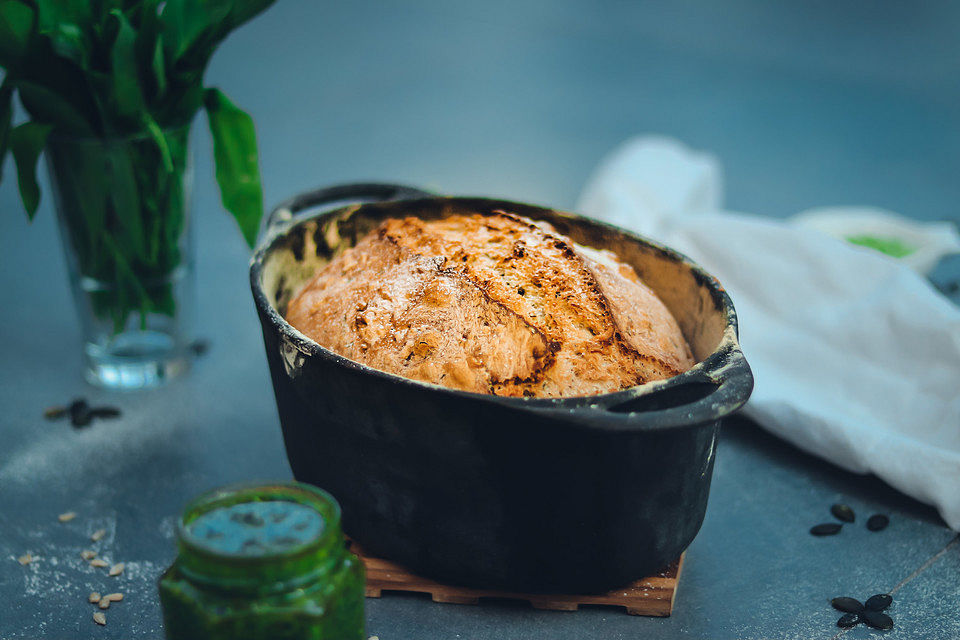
x=878, y=602
x=104, y=603
x=66, y=517
x=99, y=618
x=87, y=554
x=116, y=569
x=93, y=598
x=826, y=529
x=877, y=620
x=850, y=605
x=114, y=597
x=25, y=559
x=99, y=562
x=877, y=522
x=843, y=512
x=99, y=533
x=848, y=620
x=54, y=413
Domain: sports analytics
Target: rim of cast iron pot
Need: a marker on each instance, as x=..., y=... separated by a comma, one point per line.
x=596, y=412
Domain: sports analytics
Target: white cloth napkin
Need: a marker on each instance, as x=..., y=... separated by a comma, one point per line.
x=856, y=356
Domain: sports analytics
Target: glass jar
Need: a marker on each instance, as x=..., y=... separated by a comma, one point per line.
x=123, y=205
x=263, y=563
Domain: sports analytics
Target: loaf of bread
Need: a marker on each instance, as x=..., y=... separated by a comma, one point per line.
x=492, y=304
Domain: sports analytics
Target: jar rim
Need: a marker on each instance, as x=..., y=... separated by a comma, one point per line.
x=324, y=503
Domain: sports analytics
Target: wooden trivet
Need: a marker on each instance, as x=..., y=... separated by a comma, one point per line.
x=651, y=596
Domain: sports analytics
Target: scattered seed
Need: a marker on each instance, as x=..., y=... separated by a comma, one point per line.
x=848, y=620
x=105, y=412
x=99, y=533
x=843, y=512
x=93, y=598
x=877, y=522
x=114, y=597
x=99, y=562
x=54, y=413
x=116, y=569
x=849, y=605
x=878, y=602
x=25, y=559
x=826, y=529
x=877, y=620
x=87, y=554
x=199, y=347
x=80, y=413
x=104, y=603
x=66, y=517
x=99, y=618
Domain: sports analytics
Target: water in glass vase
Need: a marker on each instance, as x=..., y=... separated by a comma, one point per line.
x=123, y=207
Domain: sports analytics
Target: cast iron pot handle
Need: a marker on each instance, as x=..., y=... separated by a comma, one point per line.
x=285, y=212
x=721, y=387
x=716, y=391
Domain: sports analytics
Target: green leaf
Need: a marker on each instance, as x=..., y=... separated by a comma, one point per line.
x=53, y=13
x=186, y=23
x=127, y=94
x=49, y=106
x=26, y=143
x=6, y=114
x=235, y=154
x=244, y=10
x=16, y=26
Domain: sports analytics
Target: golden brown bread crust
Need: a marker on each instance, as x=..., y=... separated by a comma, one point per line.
x=492, y=304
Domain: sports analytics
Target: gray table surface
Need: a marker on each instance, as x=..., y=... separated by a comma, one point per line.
x=807, y=104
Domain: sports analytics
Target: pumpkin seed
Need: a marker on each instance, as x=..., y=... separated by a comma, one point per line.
x=99, y=562
x=843, y=512
x=80, y=413
x=826, y=529
x=877, y=522
x=877, y=620
x=848, y=620
x=66, y=517
x=116, y=569
x=878, y=602
x=850, y=605
x=99, y=618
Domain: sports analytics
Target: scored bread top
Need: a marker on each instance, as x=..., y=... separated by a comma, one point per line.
x=492, y=304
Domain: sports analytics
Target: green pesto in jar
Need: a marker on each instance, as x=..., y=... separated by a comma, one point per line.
x=263, y=562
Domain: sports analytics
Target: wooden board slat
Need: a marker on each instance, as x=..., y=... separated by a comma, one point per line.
x=650, y=596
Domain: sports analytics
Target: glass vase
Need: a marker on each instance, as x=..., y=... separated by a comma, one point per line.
x=123, y=208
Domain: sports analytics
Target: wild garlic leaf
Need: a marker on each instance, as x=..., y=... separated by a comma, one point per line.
x=126, y=80
x=16, y=26
x=26, y=143
x=244, y=10
x=6, y=114
x=50, y=106
x=53, y=13
x=187, y=23
x=235, y=155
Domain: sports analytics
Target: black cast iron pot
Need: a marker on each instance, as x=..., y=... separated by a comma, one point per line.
x=571, y=495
